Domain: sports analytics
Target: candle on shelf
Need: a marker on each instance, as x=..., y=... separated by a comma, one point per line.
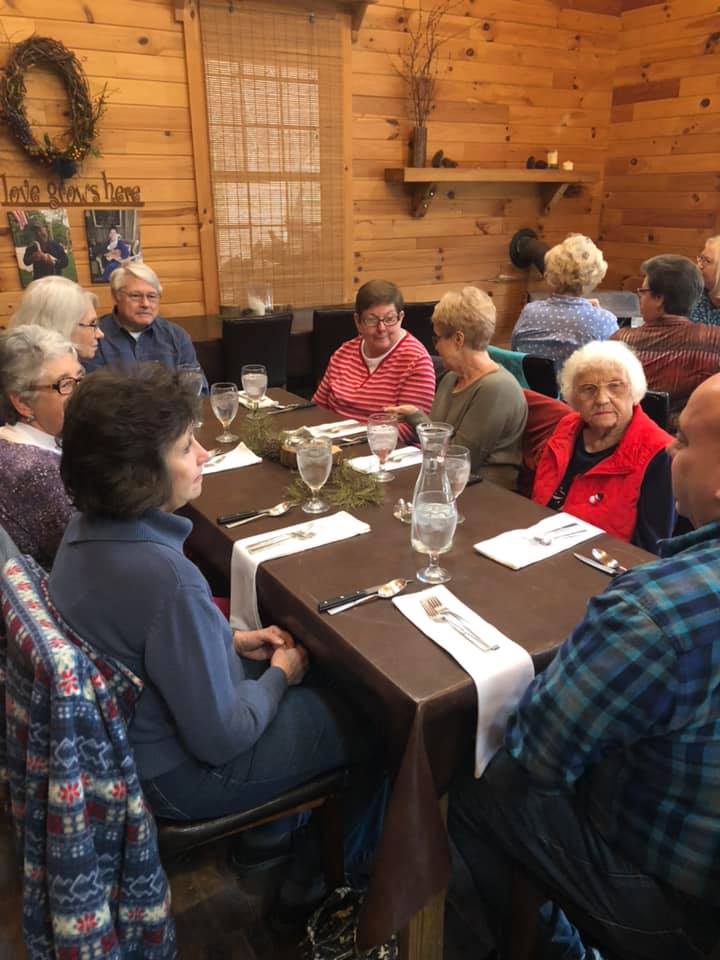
x=568, y=165
x=552, y=158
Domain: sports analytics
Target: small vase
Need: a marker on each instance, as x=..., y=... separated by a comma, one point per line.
x=418, y=147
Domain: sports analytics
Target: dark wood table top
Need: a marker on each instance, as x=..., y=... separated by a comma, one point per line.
x=421, y=698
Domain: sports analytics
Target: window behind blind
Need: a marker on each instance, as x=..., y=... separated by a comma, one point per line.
x=274, y=83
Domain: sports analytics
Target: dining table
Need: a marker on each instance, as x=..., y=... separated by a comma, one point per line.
x=408, y=688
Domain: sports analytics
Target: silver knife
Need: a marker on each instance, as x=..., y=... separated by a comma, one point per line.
x=327, y=605
x=610, y=571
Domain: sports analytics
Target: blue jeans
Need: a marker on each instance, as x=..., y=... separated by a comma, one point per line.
x=312, y=733
x=504, y=818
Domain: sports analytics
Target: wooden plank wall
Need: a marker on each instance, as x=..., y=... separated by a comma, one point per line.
x=136, y=48
x=662, y=171
x=517, y=78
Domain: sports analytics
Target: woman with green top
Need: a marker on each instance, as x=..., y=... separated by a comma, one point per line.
x=484, y=403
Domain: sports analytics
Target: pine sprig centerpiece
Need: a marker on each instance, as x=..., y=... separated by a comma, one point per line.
x=346, y=488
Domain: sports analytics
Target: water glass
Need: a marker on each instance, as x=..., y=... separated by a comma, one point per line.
x=254, y=382
x=224, y=401
x=314, y=460
x=192, y=375
x=457, y=466
x=382, y=434
x=433, y=527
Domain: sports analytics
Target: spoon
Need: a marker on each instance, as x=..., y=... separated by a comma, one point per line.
x=385, y=591
x=602, y=556
x=277, y=511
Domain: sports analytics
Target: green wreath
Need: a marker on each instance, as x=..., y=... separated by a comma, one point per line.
x=84, y=111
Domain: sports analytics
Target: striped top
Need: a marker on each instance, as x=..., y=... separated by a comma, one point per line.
x=677, y=356
x=405, y=375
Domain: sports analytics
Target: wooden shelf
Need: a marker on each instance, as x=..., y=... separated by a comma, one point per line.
x=424, y=181
x=357, y=9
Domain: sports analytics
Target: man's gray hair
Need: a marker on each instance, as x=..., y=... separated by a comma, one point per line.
x=139, y=271
x=24, y=351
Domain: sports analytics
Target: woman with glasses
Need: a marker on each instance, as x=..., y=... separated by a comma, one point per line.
x=707, y=309
x=383, y=365
x=480, y=399
x=61, y=304
x=606, y=462
x=39, y=369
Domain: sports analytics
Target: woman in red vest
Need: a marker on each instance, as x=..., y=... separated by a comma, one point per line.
x=606, y=461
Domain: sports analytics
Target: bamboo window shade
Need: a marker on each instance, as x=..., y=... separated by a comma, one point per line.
x=274, y=81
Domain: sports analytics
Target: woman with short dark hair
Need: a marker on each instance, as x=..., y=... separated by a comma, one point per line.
x=222, y=723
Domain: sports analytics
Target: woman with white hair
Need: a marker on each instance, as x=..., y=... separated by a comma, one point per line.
x=606, y=462
x=57, y=303
x=707, y=309
x=39, y=369
x=566, y=320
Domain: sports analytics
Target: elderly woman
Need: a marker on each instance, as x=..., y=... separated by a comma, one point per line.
x=707, y=309
x=479, y=398
x=556, y=327
x=223, y=723
x=606, y=462
x=39, y=370
x=60, y=304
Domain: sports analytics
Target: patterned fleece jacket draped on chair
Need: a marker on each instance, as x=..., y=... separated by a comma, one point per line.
x=93, y=882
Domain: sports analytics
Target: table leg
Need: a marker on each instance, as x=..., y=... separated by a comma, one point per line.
x=422, y=939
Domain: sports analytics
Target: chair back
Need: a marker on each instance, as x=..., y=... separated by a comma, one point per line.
x=418, y=322
x=512, y=361
x=330, y=329
x=544, y=414
x=540, y=375
x=656, y=404
x=93, y=882
x=257, y=340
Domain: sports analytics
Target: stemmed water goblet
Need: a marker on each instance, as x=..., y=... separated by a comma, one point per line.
x=382, y=434
x=314, y=460
x=457, y=467
x=254, y=381
x=433, y=527
x=224, y=402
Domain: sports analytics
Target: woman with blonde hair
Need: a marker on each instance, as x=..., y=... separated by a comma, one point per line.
x=57, y=303
x=566, y=320
x=480, y=399
x=707, y=309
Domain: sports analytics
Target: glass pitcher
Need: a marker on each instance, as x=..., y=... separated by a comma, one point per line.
x=434, y=514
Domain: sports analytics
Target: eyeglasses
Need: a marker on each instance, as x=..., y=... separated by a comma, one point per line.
x=614, y=388
x=63, y=386
x=372, y=321
x=703, y=260
x=90, y=326
x=641, y=290
x=140, y=297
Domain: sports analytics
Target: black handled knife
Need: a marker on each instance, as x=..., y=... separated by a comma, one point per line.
x=326, y=605
x=232, y=517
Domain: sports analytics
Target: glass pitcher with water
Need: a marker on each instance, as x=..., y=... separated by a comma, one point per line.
x=434, y=514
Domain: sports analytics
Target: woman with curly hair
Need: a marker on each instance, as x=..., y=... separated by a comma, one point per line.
x=558, y=326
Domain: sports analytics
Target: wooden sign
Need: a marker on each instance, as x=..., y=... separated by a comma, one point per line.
x=56, y=193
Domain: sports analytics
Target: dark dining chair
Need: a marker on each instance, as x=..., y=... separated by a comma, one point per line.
x=656, y=404
x=418, y=322
x=257, y=340
x=330, y=329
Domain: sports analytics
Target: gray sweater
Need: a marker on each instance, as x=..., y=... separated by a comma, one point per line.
x=489, y=417
x=127, y=588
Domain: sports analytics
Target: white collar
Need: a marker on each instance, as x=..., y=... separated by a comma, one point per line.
x=26, y=433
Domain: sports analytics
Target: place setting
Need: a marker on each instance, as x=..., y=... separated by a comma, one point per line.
x=554, y=534
x=382, y=438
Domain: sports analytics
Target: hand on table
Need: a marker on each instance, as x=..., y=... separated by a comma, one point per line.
x=402, y=409
x=261, y=644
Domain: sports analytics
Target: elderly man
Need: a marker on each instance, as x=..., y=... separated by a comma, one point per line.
x=607, y=787
x=133, y=332
x=383, y=366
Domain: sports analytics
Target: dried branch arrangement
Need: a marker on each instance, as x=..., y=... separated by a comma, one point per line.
x=419, y=61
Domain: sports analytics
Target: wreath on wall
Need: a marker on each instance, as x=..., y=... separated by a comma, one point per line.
x=85, y=112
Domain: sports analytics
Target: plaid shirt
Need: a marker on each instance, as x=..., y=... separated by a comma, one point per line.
x=631, y=703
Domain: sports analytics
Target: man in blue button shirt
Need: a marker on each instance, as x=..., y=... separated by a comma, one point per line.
x=134, y=333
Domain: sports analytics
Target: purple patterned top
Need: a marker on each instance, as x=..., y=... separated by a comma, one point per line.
x=34, y=508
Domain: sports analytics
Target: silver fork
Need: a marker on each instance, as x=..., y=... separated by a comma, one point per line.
x=548, y=538
x=437, y=610
x=271, y=541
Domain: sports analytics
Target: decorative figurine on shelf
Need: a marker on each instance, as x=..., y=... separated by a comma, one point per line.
x=440, y=160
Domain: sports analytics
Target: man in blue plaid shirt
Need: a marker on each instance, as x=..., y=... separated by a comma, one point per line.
x=608, y=787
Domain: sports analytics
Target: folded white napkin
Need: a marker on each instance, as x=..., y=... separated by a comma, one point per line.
x=243, y=595
x=338, y=428
x=239, y=456
x=501, y=676
x=266, y=402
x=404, y=457
x=517, y=549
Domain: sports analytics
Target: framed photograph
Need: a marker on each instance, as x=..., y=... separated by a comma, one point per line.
x=113, y=239
x=42, y=244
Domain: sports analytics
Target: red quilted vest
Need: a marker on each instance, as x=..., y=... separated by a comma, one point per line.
x=617, y=479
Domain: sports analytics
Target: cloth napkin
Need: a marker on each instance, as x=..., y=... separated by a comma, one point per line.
x=500, y=676
x=239, y=456
x=517, y=549
x=244, y=613
x=264, y=404
x=404, y=457
x=337, y=429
